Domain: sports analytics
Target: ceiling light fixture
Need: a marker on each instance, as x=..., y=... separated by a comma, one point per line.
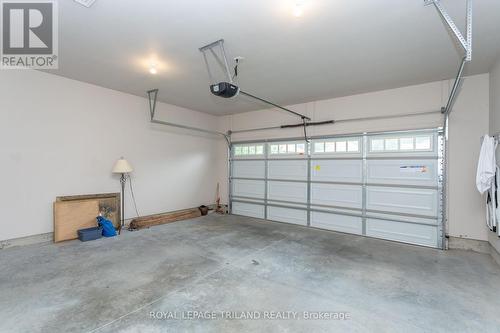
x=151, y=64
x=298, y=9
x=152, y=68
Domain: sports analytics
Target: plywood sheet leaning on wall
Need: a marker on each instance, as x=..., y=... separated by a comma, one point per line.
x=109, y=204
x=70, y=216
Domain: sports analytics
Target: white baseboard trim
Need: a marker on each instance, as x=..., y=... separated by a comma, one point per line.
x=48, y=237
x=29, y=240
x=494, y=253
x=455, y=243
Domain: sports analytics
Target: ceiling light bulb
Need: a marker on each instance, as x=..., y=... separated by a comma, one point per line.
x=153, y=70
x=298, y=10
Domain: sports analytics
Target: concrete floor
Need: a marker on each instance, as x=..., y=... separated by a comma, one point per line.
x=239, y=264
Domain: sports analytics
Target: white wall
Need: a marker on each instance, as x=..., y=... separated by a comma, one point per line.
x=495, y=125
x=468, y=122
x=495, y=98
x=62, y=137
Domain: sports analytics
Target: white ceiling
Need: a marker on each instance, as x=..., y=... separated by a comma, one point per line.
x=337, y=48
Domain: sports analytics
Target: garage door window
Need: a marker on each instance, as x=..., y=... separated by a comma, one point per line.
x=287, y=148
x=249, y=150
x=423, y=143
x=338, y=146
x=417, y=143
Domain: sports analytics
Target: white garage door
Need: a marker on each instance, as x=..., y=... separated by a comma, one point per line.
x=385, y=185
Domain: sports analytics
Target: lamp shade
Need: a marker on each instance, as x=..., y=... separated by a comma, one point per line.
x=122, y=166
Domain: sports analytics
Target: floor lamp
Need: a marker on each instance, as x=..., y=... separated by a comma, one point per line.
x=123, y=167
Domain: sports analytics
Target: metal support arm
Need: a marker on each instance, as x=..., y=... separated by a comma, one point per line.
x=153, y=95
x=454, y=90
x=465, y=42
x=223, y=63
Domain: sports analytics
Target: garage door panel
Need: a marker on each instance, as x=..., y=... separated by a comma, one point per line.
x=336, y=222
x=247, y=209
x=288, y=215
x=381, y=185
x=350, y=171
x=350, y=196
x=337, y=210
x=287, y=191
x=403, y=218
x=402, y=232
x=249, y=188
x=405, y=172
x=402, y=200
x=249, y=169
x=288, y=170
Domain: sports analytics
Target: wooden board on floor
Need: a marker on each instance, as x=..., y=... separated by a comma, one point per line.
x=70, y=216
x=148, y=221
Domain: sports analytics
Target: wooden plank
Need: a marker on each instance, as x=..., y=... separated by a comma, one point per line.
x=70, y=216
x=148, y=221
x=87, y=196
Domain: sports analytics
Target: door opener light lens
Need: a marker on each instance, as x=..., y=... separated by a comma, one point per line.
x=297, y=10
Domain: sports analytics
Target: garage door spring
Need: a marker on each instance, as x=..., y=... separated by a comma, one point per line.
x=305, y=124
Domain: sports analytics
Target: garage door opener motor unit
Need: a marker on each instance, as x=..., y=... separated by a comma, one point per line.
x=224, y=89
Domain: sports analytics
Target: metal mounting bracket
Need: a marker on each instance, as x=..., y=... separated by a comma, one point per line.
x=153, y=96
x=465, y=42
x=223, y=63
x=304, y=122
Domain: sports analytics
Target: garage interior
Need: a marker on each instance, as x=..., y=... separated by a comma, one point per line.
x=250, y=166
